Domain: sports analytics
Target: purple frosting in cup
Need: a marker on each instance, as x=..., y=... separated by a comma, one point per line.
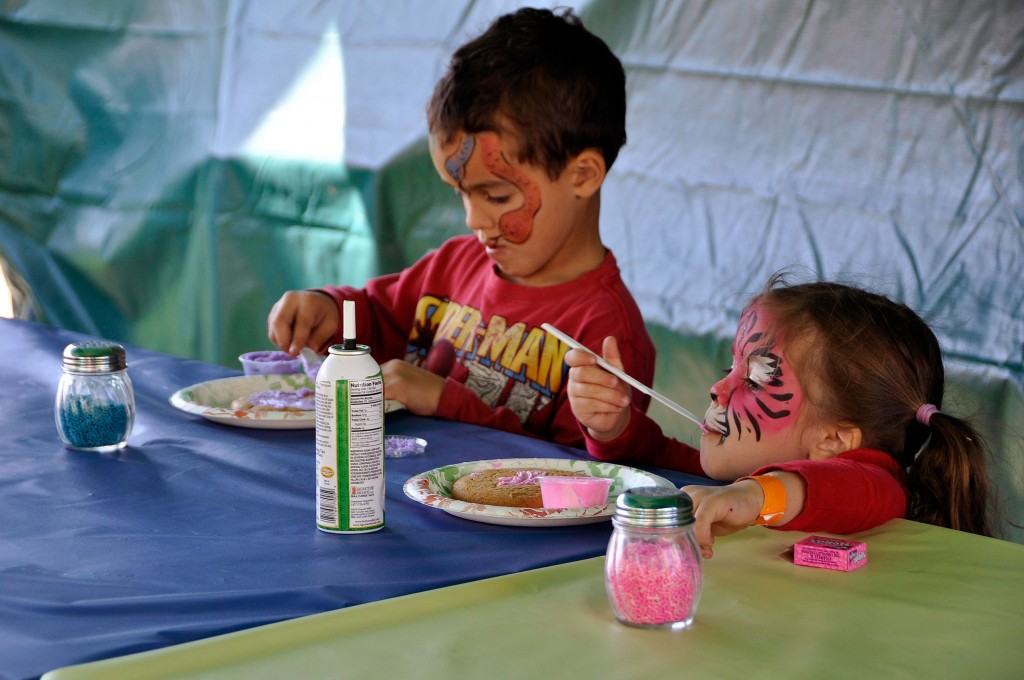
x=270, y=363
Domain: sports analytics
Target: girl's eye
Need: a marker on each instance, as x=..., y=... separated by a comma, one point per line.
x=762, y=369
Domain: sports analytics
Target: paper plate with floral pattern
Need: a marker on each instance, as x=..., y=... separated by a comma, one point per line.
x=433, y=488
x=212, y=400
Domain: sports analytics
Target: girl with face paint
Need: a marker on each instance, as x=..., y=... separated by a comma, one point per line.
x=827, y=419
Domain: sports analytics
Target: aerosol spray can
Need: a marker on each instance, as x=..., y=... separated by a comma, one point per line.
x=349, y=436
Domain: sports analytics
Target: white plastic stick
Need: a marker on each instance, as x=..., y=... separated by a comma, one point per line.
x=622, y=375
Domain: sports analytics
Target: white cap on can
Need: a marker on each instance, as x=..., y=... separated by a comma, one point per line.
x=348, y=324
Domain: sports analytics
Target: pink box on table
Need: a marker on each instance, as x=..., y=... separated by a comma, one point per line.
x=830, y=553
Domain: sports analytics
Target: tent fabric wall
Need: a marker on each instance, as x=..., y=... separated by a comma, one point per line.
x=168, y=169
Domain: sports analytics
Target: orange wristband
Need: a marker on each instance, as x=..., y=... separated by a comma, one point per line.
x=774, y=507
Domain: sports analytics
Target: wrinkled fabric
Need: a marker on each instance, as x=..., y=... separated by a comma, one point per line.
x=166, y=174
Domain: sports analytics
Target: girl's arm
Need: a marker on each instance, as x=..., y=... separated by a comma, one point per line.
x=599, y=400
x=855, y=491
x=722, y=510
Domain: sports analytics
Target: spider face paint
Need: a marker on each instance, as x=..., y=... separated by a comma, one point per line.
x=455, y=165
x=515, y=225
x=760, y=393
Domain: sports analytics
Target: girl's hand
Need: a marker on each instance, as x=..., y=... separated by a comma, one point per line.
x=722, y=510
x=599, y=400
x=417, y=388
x=302, y=318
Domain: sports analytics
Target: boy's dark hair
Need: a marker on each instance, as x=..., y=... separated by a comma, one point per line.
x=541, y=77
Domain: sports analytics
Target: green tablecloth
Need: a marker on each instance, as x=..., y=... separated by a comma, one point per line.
x=930, y=603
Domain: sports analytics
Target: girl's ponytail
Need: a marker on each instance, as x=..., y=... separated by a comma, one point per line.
x=948, y=479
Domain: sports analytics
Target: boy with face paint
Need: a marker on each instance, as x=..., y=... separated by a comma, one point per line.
x=827, y=420
x=524, y=126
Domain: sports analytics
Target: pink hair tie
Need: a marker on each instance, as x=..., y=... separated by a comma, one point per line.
x=924, y=414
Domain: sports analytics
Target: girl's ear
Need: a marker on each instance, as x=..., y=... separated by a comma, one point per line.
x=836, y=439
x=588, y=171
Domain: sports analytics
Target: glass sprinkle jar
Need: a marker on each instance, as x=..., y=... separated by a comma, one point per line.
x=95, y=405
x=653, y=569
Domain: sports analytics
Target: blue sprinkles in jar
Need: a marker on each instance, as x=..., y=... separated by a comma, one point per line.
x=88, y=424
x=95, y=406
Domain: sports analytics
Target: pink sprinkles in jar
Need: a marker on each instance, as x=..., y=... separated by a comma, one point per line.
x=653, y=570
x=654, y=582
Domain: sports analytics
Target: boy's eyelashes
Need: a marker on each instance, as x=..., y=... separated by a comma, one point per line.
x=496, y=199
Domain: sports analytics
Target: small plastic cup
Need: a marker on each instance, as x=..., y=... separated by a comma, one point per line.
x=401, y=446
x=574, y=492
x=270, y=363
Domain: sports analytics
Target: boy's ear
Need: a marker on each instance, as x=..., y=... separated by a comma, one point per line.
x=835, y=439
x=588, y=171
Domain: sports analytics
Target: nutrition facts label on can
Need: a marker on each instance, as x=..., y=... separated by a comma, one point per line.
x=350, y=460
x=365, y=430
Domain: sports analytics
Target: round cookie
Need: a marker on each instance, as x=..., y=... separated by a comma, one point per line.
x=302, y=399
x=518, y=487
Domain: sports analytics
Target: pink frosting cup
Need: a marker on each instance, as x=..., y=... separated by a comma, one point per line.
x=574, y=492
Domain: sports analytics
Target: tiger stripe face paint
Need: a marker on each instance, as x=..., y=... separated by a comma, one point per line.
x=760, y=393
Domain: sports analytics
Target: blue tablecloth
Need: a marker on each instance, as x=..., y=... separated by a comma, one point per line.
x=197, y=528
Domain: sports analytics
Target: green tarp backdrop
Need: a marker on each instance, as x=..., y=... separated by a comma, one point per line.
x=169, y=168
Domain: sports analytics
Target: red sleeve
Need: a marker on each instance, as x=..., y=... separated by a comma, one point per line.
x=375, y=325
x=644, y=442
x=459, y=402
x=855, y=491
x=386, y=307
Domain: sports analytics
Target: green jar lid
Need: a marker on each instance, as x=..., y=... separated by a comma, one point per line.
x=96, y=356
x=654, y=506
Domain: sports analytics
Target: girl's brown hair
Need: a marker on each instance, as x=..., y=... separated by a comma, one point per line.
x=874, y=363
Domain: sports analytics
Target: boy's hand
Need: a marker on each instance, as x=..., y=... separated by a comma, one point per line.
x=302, y=318
x=722, y=510
x=598, y=399
x=417, y=388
